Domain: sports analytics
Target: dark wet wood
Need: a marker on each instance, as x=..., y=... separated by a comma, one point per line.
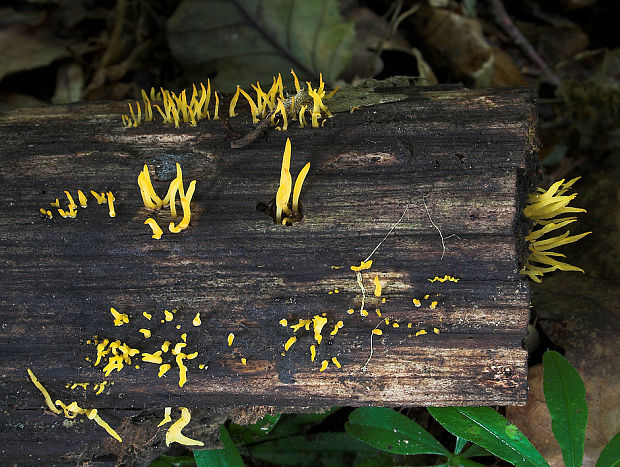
x=469, y=155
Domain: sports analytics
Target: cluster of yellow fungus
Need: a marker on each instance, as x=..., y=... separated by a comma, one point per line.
x=181, y=109
x=283, y=195
x=72, y=410
x=119, y=354
x=545, y=208
x=317, y=323
x=152, y=201
x=176, y=109
x=174, y=435
x=71, y=208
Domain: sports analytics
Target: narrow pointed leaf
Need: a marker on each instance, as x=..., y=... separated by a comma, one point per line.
x=485, y=427
x=565, y=395
x=391, y=431
x=610, y=457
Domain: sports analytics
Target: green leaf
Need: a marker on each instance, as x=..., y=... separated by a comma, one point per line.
x=245, y=434
x=227, y=457
x=460, y=444
x=326, y=449
x=610, y=457
x=291, y=424
x=249, y=40
x=459, y=461
x=391, y=431
x=383, y=460
x=172, y=461
x=475, y=451
x=565, y=395
x=485, y=427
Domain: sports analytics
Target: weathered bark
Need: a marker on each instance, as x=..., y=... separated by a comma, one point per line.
x=469, y=156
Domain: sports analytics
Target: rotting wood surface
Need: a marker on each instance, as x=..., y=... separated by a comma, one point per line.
x=469, y=156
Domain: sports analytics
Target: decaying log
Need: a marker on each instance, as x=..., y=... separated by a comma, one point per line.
x=455, y=164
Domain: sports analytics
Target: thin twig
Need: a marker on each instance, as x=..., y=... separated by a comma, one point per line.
x=388, y=234
x=443, y=245
x=365, y=367
x=501, y=16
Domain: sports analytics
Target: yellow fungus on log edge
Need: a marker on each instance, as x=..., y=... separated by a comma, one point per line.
x=336, y=362
x=168, y=316
x=363, y=266
x=312, y=352
x=46, y=395
x=289, y=343
x=157, y=231
x=83, y=199
x=377, y=332
x=324, y=364
x=167, y=418
x=174, y=432
x=243, y=361
x=420, y=333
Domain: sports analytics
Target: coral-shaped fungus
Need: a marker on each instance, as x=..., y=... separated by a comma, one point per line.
x=291, y=211
x=545, y=207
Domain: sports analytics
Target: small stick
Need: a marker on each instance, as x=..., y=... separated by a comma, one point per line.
x=443, y=245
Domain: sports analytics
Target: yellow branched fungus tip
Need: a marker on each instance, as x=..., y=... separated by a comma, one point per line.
x=363, y=266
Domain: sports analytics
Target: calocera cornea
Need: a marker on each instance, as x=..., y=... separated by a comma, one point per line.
x=111, y=199
x=157, y=231
x=283, y=194
x=174, y=432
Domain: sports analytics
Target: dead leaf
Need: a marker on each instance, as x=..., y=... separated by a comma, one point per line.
x=246, y=40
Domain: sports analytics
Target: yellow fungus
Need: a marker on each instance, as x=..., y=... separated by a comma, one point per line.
x=165, y=346
x=146, y=332
x=363, y=266
x=152, y=357
x=217, y=106
x=167, y=418
x=174, y=432
x=231, y=338
x=184, y=337
x=319, y=322
x=177, y=348
x=146, y=197
x=284, y=190
x=301, y=324
x=168, y=316
x=444, y=279
x=417, y=302
x=378, y=311
x=157, y=231
x=324, y=364
x=233, y=103
x=111, y=199
x=354, y=108
x=364, y=313
x=99, y=197
x=297, y=88
x=70, y=198
x=100, y=387
x=383, y=300
x=350, y=311
x=253, y=109
x=420, y=333
x=119, y=318
x=377, y=332
x=297, y=189
x=436, y=331
x=186, y=217
x=338, y=325
x=289, y=343
x=426, y=296
x=283, y=322
x=302, y=116
x=147, y=315
x=395, y=325
x=387, y=320
x=163, y=369
x=82, y=198
x=409, y=325
x=201, y=366
x=182, y=369
x=55, y=204
x=433, y=305
x=46, y=395
x=63, y=213
x=101, y=352
x=377, y=286
x=336, y=362
x=312, y=352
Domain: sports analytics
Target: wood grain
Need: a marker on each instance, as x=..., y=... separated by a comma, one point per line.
x=468, y=155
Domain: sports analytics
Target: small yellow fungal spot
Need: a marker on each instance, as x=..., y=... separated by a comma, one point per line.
x=157, y=231
x=178, y=326
x=301, y=324
x=436, y=331
x=395, y=325
x=417, y=302
x=383, y=300
x=319, y=322
x=231, y=338
x=378, y=311
x=111, y=199
x=282, y=353
x=165, y=346
x=336, y=362
x=152, y=357
x=387, y=320
x=338, y=325
x=184, y=337
x=350, y=311
x=177, y=348
x=70, y=198
x=324, y=364
x=196, y=321
x=119, y=318
x=147, y=315
x=46, y=395
x=289, y=343
x=137, y=367
x=409, y=325
x=146, y=332
x=163, y=369
x=377, y=286
x=444, y=279
x=100, y=387
x=312, y=352
x=426, y=296
x=167, y=418
x=330, y=292
x=433, y=305
x=201, y=366
x=377, y=332
x=336, y=267
x=364, y=313
x=82, y=198
x=168, y=316
x=55, y=204
x=283, y=322
x=182, y=369
x=363, y=266
x=336, y=291
x=174, y=432
x=420, y=333
x=99, y=197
